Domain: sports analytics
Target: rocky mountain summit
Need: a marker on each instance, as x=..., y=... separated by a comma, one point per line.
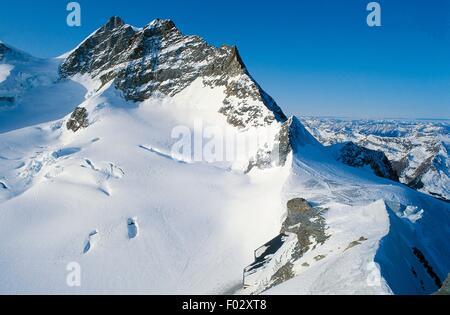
x=159, y=59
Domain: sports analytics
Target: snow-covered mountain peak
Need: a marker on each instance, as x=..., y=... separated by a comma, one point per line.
x=160, y=60
x=165, y=25
x=113, y=22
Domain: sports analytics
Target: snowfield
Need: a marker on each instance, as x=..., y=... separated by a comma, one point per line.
x=199, y=223
x=138, y=218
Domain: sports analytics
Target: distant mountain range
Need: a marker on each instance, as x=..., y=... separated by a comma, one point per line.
x=417, y=149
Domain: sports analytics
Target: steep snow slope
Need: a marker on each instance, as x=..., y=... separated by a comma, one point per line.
x=30, y=92
x=139, y=217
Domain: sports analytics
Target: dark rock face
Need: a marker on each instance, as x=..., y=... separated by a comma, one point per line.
x=160, y=59
x=284, y=144
x=308, y=226
x=429, y=269
x=356, y=156
x=414, y=180
x=263, y=160
x=307, y=223
x=6, y=102
x=284, y=274
x=78, y=119
x=3, y=51
x=298, y=209
x=279, y=153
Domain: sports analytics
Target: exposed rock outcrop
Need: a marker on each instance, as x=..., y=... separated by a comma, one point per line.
x=307, y=223
x=304, y=229
x=357, y=156
x=78, y=119
x=3, y=50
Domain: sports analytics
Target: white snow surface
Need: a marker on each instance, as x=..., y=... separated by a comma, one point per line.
x=199, y=223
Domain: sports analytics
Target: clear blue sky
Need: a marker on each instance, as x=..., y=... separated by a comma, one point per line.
x=315, y=57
